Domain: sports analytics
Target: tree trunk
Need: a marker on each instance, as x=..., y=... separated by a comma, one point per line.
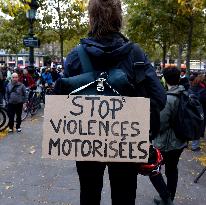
x=61, y=39
x=16, y=60
x=179, y=60
x=164, y=52
x=62, y=50
x=189, y=44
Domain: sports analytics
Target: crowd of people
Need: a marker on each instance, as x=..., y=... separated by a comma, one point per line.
x=13, y=85
x=106, y=48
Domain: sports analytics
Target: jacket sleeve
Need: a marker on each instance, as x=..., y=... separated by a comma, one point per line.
x=153, y=85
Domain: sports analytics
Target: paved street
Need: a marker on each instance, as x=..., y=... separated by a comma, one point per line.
x=26, y=179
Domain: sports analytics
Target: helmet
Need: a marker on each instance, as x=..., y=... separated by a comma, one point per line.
x=153, y=166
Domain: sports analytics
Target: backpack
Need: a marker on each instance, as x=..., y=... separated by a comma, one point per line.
x=188, y=120
x=113, y=81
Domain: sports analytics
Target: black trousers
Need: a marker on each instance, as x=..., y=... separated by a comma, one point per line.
x=123, y=182
x=15, y=109
x=171, y=160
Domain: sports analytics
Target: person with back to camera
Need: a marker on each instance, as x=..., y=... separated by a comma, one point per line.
x=107, y=47
x=198, y=88
x=170, y=146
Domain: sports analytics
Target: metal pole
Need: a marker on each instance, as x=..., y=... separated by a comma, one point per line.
x=31, y=49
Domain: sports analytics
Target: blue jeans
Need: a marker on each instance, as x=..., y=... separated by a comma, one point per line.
x=195, y=144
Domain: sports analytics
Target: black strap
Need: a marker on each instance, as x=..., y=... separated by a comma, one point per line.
x=84, y=59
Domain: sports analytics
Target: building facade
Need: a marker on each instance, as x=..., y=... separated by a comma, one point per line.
x=20, y=60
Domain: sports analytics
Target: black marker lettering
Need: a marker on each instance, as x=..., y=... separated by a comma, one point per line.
x=92, y=99
x=131, y=150
x=113, y=149
x=121, y=149
x=105, y=127
x=135, y=129
x=142, y=150
x=112, y=128
x=81, y=128
x=83, y=148
x=69, y=127
x=56, y=129
x=76, y=146
x=90, y=127
x=69, y=148
x=55, y=144
x=77, y=105
x=100, y=109
x=96, y=146
x=116, y=107
x=123, y=135
x=65, y=123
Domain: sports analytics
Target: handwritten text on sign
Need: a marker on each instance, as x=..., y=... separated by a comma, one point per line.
x=96, y=128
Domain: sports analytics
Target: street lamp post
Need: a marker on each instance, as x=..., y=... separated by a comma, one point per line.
x=31, y=16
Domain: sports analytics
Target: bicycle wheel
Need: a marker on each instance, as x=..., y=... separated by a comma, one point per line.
x=33, y=109
x=25, y=112
x=36, y=104
x=4, y=119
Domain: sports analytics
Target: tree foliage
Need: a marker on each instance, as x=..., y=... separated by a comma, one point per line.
x=12, y=32
x=168, y=23
x=65, y=18
x=12, y=7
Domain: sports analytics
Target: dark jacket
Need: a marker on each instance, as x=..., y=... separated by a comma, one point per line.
x=184, y=81
x=200, y=92
x=16, y=93
x=108, y=52
x=166, y=140
x=112, y=50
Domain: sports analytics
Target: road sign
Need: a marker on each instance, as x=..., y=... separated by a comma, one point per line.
x=31, y=42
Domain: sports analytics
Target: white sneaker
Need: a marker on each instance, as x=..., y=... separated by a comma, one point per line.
x=18, y=130
x=10, y=131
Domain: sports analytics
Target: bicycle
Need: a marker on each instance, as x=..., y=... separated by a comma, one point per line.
x=32, y=105
x=4, y=118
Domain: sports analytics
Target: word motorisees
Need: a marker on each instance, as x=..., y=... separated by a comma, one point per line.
x=96, y=128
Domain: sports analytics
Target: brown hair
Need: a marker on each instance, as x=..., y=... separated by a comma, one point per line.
x=199, y=79
x=105, y=17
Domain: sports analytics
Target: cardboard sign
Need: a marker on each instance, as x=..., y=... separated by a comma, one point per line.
x=96, y=128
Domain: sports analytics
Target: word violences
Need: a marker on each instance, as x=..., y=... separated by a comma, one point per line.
x=98, y=128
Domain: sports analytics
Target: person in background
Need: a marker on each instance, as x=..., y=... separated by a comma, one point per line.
x=184, y=81
x=15, y=96
x=47, y=78
x=27, y=79
x=1, y=87
x=9, y=73
x=198, y=88
x=170, y=146
x=55, y=75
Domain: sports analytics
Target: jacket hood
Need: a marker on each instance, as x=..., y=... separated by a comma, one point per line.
x=176, y=89
x=113, y=46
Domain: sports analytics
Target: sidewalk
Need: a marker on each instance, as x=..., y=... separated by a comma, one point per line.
x=26, y=179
